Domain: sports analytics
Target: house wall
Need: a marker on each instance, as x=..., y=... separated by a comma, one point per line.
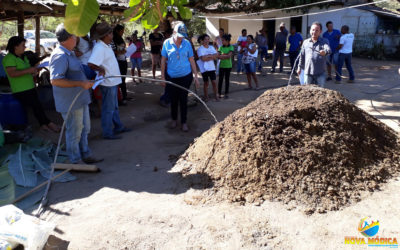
x=360, y=22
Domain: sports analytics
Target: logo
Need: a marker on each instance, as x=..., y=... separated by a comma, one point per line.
x=369, y=229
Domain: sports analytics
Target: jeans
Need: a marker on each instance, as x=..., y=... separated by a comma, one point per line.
x=29, y=99
x=293, y=56
x=109, y=111
x=123, y=68
x=263, y=56
x=223, y=72
x=311, y=79
x=250, y=67
x=179, y=96
x=76, y=134
x=240, y=67
x=344, y=58
x=278, y=54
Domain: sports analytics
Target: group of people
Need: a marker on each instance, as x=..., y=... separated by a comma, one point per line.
x=334, y=48
x=76, y=62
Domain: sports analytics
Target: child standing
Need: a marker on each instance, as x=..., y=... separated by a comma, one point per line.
x=250, y=54
x=136, y=58
x=207, y=55
x=225, y=66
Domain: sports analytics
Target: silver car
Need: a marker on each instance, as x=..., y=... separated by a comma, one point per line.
x=48, y=41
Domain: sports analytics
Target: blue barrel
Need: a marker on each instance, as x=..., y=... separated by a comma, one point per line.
x=11, y=111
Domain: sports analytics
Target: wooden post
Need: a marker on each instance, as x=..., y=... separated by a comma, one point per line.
x=20, y=23
x=37, y=35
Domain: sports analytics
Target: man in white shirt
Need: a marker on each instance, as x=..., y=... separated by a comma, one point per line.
x=345, y=51
x=103, y=61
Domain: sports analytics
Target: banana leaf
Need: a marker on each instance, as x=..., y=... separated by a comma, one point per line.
x=22, y=168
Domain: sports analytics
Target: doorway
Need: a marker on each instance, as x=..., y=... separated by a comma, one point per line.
x=269, y=26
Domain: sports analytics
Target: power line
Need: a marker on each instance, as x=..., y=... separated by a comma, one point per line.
x=274, y=10
x=306, y=14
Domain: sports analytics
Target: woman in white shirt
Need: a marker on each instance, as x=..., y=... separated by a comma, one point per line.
x=207, y=55
x=250, y=54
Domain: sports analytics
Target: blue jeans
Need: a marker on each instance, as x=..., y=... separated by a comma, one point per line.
x=250, y=67
x=263, y=56
x=239, y=63
x=109, y=111
x=344, y=58
x=311, y=79
x=76, y=134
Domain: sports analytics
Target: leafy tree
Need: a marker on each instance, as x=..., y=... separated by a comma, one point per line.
x=80, y=15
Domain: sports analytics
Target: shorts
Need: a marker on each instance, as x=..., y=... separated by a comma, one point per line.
x=250, y=67
x=155, y=58
x=209, y=74
x=136, y=63
x=333, y=58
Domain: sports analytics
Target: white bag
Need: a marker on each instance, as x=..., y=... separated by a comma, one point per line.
x=17, y=227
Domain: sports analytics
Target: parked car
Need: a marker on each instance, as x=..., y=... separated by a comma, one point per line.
x=48, y=41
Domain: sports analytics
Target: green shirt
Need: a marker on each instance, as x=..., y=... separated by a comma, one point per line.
x=226, y=63
x=20, y=83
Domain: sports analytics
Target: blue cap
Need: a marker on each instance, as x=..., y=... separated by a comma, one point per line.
x=181, y=30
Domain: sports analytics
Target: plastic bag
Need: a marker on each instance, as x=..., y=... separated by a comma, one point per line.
x=17, y=227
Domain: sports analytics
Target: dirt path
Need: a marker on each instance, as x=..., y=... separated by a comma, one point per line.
x=136, y=203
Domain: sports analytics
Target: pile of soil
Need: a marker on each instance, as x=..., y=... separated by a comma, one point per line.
x=304, y=145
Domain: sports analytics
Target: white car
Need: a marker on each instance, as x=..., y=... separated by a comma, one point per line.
x=48, y=41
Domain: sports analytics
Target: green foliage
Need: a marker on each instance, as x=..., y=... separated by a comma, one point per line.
x=196, y=26
x=80, y=15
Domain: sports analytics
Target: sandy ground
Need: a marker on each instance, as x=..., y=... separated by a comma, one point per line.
x=136, y=203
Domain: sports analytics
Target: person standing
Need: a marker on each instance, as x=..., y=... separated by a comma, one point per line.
x=136, y=58
x=68, y=79
x=345, y=52
x=280, y=47
x=178, y=54
x=295, y=41
x=83, y=50
x=156, y=42
x=20, y=76
x=333, y=36
x=262, y=44
x=250, y=54
x=241, y=43
x=217, y=44
x=313, y=56
x=119, y=47
x=104, y=61
x=225, y=55
x=207, y=55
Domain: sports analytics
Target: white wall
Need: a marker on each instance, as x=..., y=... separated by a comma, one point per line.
x=359, y=21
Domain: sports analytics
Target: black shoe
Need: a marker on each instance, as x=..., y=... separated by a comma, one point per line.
x=123, y=130
x=91, y=160
x=112, y=137
x=272, y=71
x=123, y=103
x=329, y=79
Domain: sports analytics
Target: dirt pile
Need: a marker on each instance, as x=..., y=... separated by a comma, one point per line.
x=303, y=145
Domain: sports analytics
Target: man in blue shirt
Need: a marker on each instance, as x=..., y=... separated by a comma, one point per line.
x=295, y=41
x=68, y=80
x=333, y=36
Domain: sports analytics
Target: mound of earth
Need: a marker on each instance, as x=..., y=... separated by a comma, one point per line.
x=306, y=145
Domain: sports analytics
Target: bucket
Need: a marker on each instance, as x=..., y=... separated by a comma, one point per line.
x=11, y=111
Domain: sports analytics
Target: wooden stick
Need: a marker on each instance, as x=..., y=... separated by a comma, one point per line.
x=76, y=167
x=38, y=187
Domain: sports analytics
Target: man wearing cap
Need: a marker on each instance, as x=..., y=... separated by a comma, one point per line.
x=103, y=60
x=313, y=56
x=68, y=79
x=178, y=54
x=280, y=47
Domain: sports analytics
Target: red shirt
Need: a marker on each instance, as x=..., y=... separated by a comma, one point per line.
x=138, y=53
